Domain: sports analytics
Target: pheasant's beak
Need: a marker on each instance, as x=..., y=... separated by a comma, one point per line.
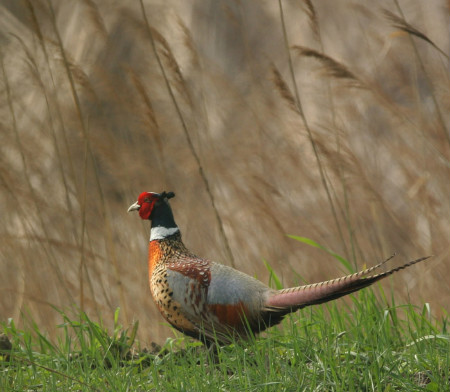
x=134, y=207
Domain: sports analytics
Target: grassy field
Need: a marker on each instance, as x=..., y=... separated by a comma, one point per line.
x=366, y=346
x=267, y=119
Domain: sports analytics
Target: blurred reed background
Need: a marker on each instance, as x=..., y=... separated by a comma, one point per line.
x=328, y=120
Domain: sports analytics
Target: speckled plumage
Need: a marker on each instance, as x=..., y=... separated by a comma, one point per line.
x=180, y=283
x=212, y=302
x=162, y=256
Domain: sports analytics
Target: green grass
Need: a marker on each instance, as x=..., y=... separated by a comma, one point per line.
x=359, y=345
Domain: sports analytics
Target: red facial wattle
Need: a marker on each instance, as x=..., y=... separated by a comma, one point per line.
x=147, y=201
x=146, y=210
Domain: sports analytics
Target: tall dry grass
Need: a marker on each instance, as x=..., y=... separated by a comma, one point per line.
x=325, y=120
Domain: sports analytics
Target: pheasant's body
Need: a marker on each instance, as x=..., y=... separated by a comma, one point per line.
x=200, y=297
x=210, y=301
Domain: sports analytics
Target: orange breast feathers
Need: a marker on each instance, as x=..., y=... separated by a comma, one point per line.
x=154, y=255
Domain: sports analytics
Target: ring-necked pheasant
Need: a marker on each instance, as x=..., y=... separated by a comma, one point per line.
x=212, y=302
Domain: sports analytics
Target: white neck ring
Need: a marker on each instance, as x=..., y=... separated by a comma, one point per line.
x=160, y=232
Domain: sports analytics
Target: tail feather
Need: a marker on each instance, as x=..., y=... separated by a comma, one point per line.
x=288, y=300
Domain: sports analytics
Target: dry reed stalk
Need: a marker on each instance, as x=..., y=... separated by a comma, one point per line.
x=110, y=246
x=307, y=126
x=188, y=138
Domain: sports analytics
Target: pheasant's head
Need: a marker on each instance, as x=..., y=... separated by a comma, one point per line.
x=147, y=201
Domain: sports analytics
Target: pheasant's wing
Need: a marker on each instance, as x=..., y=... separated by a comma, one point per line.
x=217, y=300
x=236, y=299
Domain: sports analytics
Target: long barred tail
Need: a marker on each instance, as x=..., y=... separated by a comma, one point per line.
x=294, y=298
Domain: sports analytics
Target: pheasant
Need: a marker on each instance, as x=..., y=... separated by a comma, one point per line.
x=215, y=303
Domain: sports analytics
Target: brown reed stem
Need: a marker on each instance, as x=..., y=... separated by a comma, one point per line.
x=189, y=140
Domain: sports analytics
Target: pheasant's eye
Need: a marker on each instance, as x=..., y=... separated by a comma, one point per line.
x=146, y=200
